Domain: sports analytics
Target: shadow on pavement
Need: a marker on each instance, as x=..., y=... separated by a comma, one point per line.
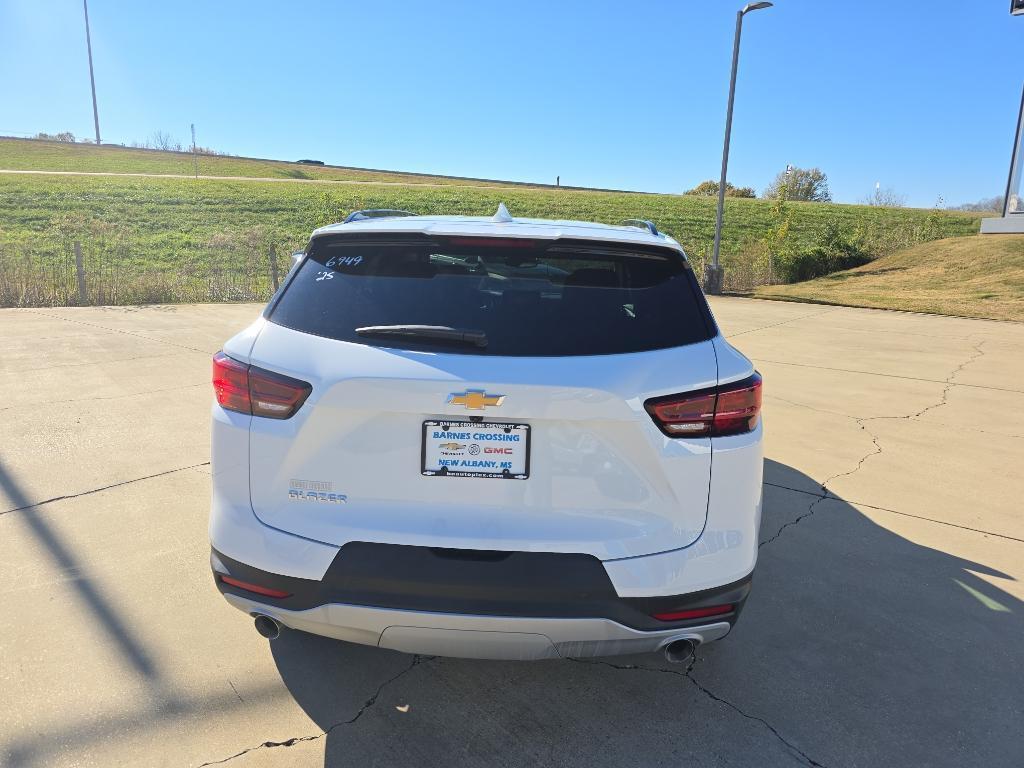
x=857, y=646
x=131, y=647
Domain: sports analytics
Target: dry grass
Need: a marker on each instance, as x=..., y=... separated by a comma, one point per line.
x=978, y=276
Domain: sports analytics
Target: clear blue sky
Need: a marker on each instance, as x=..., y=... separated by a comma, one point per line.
x=920, y=95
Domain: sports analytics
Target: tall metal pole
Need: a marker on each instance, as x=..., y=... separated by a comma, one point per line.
x=195, y=157
x=92, y=77
x=1012, y=202
x=713, y=274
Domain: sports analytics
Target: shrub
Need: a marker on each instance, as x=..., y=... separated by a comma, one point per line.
x=835, y=250
x=65, y=136
x=709, y=188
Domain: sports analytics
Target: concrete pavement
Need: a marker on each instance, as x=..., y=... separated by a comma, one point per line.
x=884, y=629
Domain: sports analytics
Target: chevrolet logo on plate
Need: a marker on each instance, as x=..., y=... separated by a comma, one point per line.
x=475, y=399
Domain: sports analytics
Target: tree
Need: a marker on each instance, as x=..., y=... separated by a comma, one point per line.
x=985, y=204
x=775, y=244
x=807, y=184
x=65, y=136
x=885, y=198
x=709, y=188
x=163, y=140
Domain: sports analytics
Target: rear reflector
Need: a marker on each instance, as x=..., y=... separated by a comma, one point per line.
x=695, y=613
x=730, y=409
x=248, y=389
x=254, y=588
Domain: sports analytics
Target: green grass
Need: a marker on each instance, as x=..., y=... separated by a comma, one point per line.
x=148, y=227
x=164, y=216
x=979, y=276
x=32, y=155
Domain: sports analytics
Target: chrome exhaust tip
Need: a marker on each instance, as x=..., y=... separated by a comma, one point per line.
x=267, y=627
x=679, y=651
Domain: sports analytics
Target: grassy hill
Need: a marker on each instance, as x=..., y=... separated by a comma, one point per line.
x=171, y=239
x=979, y=276
x=34, y=155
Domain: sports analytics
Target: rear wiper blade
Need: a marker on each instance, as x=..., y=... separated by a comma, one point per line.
x=435, y=332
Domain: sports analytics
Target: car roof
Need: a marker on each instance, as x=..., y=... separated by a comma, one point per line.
x=502, y=226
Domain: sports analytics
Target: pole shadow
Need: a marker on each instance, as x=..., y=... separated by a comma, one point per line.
x=857, y=646
x=131, y=647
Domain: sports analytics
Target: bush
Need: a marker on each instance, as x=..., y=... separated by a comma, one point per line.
x=709, y=188
x=834, y=251
x=65, y=136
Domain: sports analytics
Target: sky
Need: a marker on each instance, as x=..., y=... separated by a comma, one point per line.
x=920, y=96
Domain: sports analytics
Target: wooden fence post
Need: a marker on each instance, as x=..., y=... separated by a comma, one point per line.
x=83, y=296
x=273, y=267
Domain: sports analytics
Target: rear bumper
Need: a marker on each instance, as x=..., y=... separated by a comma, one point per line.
x=490, y=604
x=477, y=637
x=475, y=604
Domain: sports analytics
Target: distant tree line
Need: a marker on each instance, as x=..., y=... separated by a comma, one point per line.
x=709, y=188
x=800, y=184
x=66, y=136
x=986, y=204
x=160, y=139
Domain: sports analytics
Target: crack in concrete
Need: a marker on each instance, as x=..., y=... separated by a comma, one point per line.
x=825, y=493
x=831, y=412
x=886, y=375
x=416, y=661
x=119, y=396
x=103, y=488
x=105, y=361
x=861, y=422
x=796, y=520
x=119, y=330
x=688, y=674
x=783, y=322
x=236, y=691
x=950, y=383
x=897, y=512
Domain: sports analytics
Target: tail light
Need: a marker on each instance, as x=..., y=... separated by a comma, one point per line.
x=730, y=409
x=248, y=389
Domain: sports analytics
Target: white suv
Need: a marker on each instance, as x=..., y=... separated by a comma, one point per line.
x=488, y=437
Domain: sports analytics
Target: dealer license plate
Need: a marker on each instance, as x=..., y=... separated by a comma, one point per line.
x=476, y=449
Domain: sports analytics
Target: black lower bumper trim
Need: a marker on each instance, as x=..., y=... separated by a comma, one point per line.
x=482, y=583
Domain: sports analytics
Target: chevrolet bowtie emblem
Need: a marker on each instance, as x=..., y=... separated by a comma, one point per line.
x=475, y=399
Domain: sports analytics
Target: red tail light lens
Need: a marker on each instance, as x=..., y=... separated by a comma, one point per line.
x=730, y=409
x=686, y=415
x=738, y=408
x=695, y=613
x=254, y=588
x=231, y=383
x=248, y=389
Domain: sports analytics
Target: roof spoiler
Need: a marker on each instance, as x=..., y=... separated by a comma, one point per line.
x=643, y=224
x=376, y=213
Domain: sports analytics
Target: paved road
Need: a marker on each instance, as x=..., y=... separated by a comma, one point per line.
x=885, y=627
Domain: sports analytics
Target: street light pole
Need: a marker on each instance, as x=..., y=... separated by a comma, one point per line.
x=714, y=273
x=92, y=78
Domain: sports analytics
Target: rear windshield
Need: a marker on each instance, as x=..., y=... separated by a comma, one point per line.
x=508, y=296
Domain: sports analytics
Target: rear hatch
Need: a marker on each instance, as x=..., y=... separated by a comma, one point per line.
x=485, y=393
